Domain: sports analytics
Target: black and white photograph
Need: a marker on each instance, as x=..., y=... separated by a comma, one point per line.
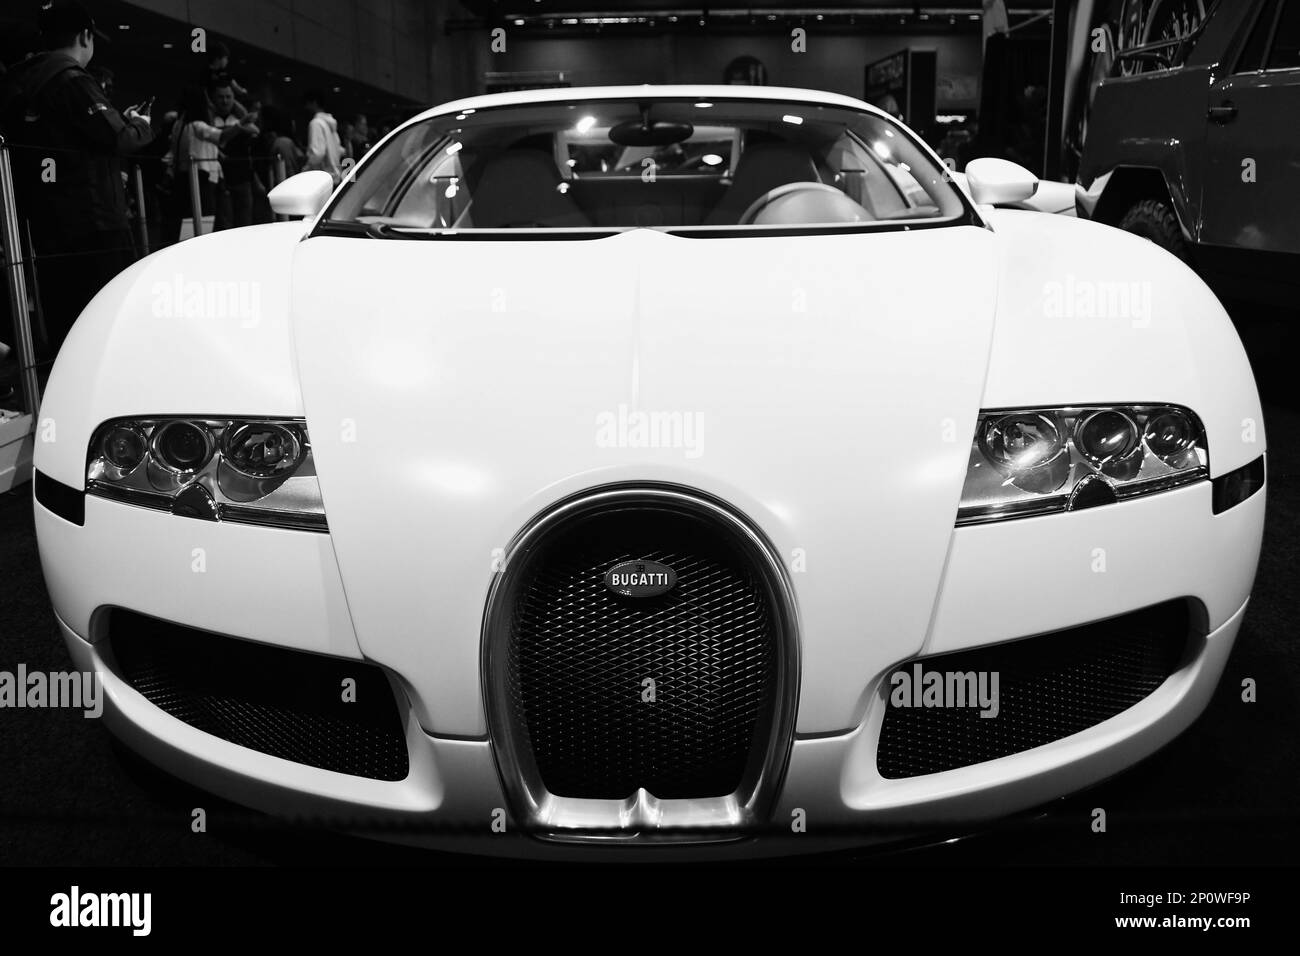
x=469, y=450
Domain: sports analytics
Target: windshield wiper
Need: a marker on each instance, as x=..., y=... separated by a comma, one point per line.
x=372, y=230
x=339, y=227
x=384, y=230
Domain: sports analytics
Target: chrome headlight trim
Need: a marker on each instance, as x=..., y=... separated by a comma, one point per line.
x=991, y=492
x=291, y=500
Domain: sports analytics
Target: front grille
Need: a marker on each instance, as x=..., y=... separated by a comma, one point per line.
x=1049, y=687
x=578, y=659
x=276, y=701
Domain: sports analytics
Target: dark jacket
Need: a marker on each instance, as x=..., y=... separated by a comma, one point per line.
x=51, y=109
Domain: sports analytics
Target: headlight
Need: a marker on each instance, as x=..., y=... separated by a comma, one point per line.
x=1171, y=436
x=1029, y=450
x=181, y=447
x=1039, y=461
x=124, y=447
x=255, y=471
x=263, y=449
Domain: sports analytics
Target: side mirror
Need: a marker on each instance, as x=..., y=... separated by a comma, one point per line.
x=302, y=195
x=999, y=182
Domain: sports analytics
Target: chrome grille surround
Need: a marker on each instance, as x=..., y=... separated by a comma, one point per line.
x=641, y=817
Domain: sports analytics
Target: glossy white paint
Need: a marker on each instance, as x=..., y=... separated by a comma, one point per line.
x=998, y=181
x=1095, y=564
x=490, y=393
x=454, y=390
x=303, y=194
x=263, y=584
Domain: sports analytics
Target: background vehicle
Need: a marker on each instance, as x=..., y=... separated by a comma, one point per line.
x=1192, y=141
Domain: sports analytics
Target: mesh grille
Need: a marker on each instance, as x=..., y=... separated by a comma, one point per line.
x=280, y=702
x=579, y=655
x=1049, y=687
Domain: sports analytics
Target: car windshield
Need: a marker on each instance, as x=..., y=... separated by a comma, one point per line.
x=675, y=164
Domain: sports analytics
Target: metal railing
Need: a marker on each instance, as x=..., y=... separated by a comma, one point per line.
x=16, y=282
x=158, y=220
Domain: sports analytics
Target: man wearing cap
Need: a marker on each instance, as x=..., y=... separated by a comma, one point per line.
x=67, y=144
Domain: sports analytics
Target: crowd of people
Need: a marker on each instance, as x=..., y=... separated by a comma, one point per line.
x=241, y=149
x=75, y=153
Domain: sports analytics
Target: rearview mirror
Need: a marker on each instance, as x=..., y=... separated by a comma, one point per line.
x=659, y=133
x=997, y=182
x=302, y=195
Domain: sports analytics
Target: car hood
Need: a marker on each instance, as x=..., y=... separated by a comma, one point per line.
x=825, y=385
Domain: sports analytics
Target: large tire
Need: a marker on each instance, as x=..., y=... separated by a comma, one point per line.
x=1154, y=220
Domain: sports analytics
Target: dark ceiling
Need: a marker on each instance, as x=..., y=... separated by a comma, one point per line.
x=502, y=8
x=567, y=17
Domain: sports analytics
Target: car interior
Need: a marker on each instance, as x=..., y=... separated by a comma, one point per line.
x=521, y=186
x=649, y=173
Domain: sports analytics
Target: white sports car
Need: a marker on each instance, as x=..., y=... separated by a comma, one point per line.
x=610, y=468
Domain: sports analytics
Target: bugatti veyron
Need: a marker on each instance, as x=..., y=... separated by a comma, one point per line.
x=700, y=468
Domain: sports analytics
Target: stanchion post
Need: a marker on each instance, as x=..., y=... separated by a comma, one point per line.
x=196, y=198
x=138, y=177
x=281, y=174
x=16, y=280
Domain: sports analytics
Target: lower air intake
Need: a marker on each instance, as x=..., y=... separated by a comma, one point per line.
x=276, y=701
x=1049, y=687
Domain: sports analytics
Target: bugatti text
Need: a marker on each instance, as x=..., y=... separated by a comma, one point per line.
x=635, y=579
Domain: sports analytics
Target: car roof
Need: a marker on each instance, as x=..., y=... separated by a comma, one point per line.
x=702, y=91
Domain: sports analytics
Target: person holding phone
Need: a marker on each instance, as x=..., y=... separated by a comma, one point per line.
x=68, y=142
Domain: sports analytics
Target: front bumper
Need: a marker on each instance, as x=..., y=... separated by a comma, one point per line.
x=285, y=590
x=453, y=799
